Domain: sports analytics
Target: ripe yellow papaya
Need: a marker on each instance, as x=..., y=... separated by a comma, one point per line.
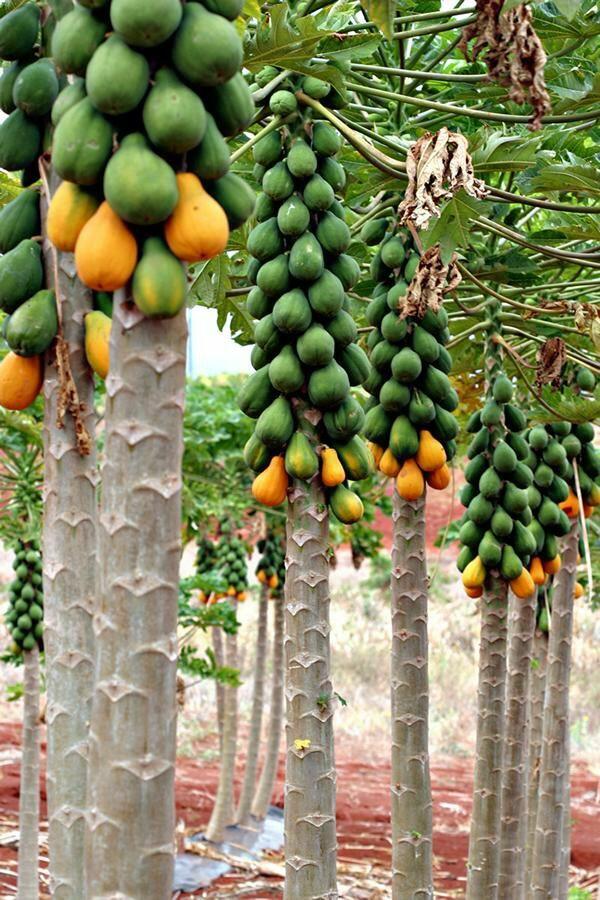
x=431, y=454
x=475, y=592
x=570, y=506
x=377, y=452
x=346, y=505
x=274, y=581
x=198, y=228
x=70, y=208
x=105, y=252
x=536, y=570
x=523, y=586
x=97, y=342
x=578, y=591
x=389, y=465
x=474, y=574
x=440, y=478
x=21, y=380
x=332, y=471
x=552, y=566
x=270, y=487
x=410, y=482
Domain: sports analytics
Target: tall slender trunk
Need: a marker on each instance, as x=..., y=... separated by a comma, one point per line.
x=555, y=745
x=219, y=651
x=268, y=776
x=223, y=813
x=521, y=626
x=565, y=850
x=537, y=689
x=484, y=844
x=29, y=796
x=70, y=584
x=412, y=865
x=310, y=828
x=133, y=730
x=256, y=715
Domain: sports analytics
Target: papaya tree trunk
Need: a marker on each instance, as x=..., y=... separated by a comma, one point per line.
x=268, y=775
x=554, y=772
x=521, y=626
x=310, y=827
x=130, y=850
x=256, y=715
x=484, y=844
x=70, y=577
x=29, y=794
x=412, y=865
x=536, y=723
x=223, y=813
x=565, y=850
x=219, y=651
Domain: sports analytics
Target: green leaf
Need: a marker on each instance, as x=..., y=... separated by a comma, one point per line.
x=382, y=13
x=453, y=228
x=568, y=8
x=251, y=9
x=567, y=405
x=572, y=178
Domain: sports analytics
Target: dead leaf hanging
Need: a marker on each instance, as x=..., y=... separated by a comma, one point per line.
x=438, y=165
x=515, y=56
x=431, y=281
x=551, y=359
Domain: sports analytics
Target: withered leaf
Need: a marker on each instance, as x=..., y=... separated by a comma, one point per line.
x=431, y=281
x=551, y=358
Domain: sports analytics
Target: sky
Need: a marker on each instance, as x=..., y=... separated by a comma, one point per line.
x=211, y=352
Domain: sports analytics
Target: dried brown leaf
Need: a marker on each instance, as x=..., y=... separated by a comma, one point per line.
x=515, y=56
x=431, y=281
x=551, y=358
x=438, y=166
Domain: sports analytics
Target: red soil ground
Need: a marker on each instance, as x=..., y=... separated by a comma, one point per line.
x=363, y=816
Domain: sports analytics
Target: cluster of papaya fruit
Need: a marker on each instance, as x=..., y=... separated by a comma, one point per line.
x=498, y=530
x=228, y=558
x=576, y=446
x=580, y=378
x=139, y=141
x=409, y=419
x=305, y=354
x=270, y=569
x=25, y=613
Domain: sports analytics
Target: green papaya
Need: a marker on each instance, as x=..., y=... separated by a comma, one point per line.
x=444, y=360
x=356, y=458
x=231, y=104
x=103, y=302
x=333, y=234
x=275, y=425
x=522, y=476
x=159, y=284
x=285, y=372
x=504, y=458
x=146, y=24
x=333, y=173
x=19, y=220
x=33, y=326
x=346, y=505
x=382, y=356
x=75, y=40
x=480, y=442
x=572, y=446
x=306, y=258
x=563, y=526
x=265, y=241
x=393, y=328
x=467, y=493
x=466, y=555
x=519, y=445
x=21, y=274
x=117, y=77
x=514, y=418
x=501, y=524
x=445, y=426
x=356, y=363
x=326, y=141
x=138, y=185
x=514, y=499
x=393, y=396
x=523, y=541
x=502, y=389
x=7, y=82
x=480, y=510
x=207, y=50
x=301, y=160
x=392, y=253
x=346, y=268
x=470, y=534
x=273, y=277
x=450, y=401
x=590, y=461
x=231, y=9
x=267, y=336
x=82, y=144
x=410, y=269
x=538, y=438
x=235, y=196
x=342, y=329
x=318, y=194
x=375, y=314
x=345, y=421
x=435, y=383
x=328, y=386
x=19, y=31
x=256, y=456
x=548, y=514
x=550, y=548
x=475, y=468
x=68, y=97
x=407, y=366
x=283, y=103
x=265, y=208
x=277, y=182
x=36, y=88
x=584, y=432
x=174, y=116
x=301, y=461
x=378, y=424
x=268, y=150
x=20, y=141
x=210, y=159
x=421, y=410
x=315, y=347
x=510, y=565
x=258, y=357
x=293, y=217
x=425, y=345
x=256, y=394
x=489, y=550
x=292, y=313
x=404, y=438
x=554, y=455
x=258, y=304
x=543, y=476
x=315, y=87
x=326, y=295
x=396, y=296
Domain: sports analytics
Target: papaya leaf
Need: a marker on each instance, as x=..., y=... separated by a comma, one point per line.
x=576, y=179
x=251, y=9
x=382, y=13
x=568, y=8
x=351, y=47
x=568, y=405
x=453, y=228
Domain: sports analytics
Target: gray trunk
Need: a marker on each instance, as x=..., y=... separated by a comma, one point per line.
x=70, y=585
x=29, y=796
x=484, y=844
x=310, y=828
x=256, y=715
x=411, y=786
x=521, y=627
x=219, y=651
x=268, y=776
x=536, y=724
x=133, y=729
x=223, y=813
x=554, y=772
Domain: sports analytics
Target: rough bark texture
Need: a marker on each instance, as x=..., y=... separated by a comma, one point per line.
x=554, y=771
x=219, y=651
x=537, y=690
x=310, y=832
x=412, y=870
x=132, y=737
x=70, y=587
x=29, y=796
x=565, y=850
x=266, y=782
x=256, y=715
x=521, y=627
x=484, y=844
x=223, y=813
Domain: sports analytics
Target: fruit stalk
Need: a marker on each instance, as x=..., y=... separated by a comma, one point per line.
x=245, y=801
x=223, y=813
x=29, y=796
x=554, y=772
x=411, y=785
x=268, y=775
x=70, y=584
x=537, y=690
x=133, y=729
x=310, y=828
x=521, y=626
